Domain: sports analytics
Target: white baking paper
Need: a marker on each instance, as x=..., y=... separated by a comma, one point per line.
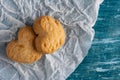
x=77, y=16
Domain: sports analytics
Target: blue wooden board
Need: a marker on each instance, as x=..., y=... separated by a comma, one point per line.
x=103, y=59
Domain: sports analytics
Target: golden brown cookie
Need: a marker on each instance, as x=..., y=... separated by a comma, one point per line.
x=22, y=50
x=51, y=35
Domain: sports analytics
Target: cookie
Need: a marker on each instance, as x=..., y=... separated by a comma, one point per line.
x=23, y=50
x=50, y=34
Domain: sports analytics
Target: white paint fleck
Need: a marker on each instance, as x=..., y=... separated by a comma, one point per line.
x=111, y=62
x=117, y=16
x=107, y=40
x=119, y=74
x=105, y=77
x=100, y=19
x=102, y=70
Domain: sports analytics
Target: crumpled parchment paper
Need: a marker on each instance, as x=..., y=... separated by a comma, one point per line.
x=77, y=17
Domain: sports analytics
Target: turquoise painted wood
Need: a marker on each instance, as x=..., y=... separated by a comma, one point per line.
x=103, y=60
